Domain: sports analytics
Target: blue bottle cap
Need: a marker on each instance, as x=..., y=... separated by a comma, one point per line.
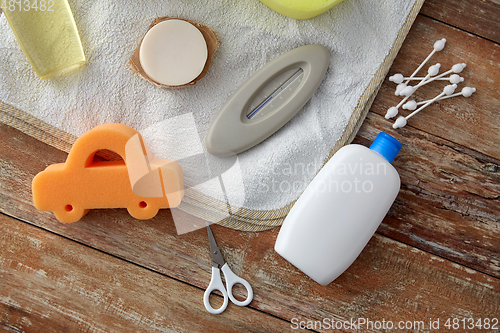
x=386, y=145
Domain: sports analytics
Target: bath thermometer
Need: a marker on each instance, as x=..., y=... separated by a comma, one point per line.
x=267, y=100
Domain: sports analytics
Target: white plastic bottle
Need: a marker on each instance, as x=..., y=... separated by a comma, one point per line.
x=341, y=209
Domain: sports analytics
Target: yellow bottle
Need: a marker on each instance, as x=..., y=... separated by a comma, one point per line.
x=300, y=9
x=47, y=33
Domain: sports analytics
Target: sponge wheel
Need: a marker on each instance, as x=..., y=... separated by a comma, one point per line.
x=143, y=210
x=70, y=213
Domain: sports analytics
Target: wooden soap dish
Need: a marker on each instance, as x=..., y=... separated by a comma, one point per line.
x=211, y=39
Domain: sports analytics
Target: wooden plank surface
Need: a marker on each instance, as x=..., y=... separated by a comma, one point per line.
x=449, y=202
x=405, y=276
x=480, y=17
x=436, y=254
x=52, y=284
x=471, y=122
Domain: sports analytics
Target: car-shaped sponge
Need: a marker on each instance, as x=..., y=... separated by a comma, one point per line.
x=138, y=182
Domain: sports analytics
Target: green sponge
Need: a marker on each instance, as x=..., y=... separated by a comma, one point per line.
x=300, y=9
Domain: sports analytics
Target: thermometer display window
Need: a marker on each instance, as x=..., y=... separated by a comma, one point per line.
x=287, y=85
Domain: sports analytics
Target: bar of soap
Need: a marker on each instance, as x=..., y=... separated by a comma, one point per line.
x=211, y=39
x=138, y=182
x=300, y=9
x=173, y=52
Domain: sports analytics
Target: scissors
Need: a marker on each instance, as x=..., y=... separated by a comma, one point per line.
x=216, y=281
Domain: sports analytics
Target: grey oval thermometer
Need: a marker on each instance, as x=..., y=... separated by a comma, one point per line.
x=267, y=100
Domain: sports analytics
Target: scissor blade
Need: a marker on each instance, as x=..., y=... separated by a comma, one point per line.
x=217, y=259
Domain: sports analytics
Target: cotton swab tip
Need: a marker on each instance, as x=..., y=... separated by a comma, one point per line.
x=434, y=69
x=391, y=112
x=400, y=88
x=468, y=91
x=449, y=89
x=407, y=91
x=439, y=44
x=455, y=78
x=411, y=105
x=396, y=78
x=457, y=68
x=400, y=122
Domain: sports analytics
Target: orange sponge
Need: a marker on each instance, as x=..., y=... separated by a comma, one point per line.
x=139, y=182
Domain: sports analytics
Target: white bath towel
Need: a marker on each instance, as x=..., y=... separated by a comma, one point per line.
x=174, y=123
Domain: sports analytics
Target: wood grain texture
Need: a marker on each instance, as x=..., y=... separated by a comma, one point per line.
x=478, y=17
x=447, y=213
x=472, y=122
x=52, y=284
x=388, y=279
x=449, y=202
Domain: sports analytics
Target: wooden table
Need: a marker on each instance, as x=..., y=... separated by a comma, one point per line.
x=435, y=256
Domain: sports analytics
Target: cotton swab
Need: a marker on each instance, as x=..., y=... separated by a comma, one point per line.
x=454, y=78
x=409, y=90
x=438, y=46
x=398, y=78
x=466, y=92
x=433, y=70
x=401, y=121
x=457, y=68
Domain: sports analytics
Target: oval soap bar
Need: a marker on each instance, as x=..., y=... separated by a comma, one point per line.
x=300, y=9
x=173, y=52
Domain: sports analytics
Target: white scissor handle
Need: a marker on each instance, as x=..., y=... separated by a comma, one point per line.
x=231, y=280
x=215, y=284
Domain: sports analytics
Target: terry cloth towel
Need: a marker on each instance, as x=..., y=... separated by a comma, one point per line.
x=256, y=189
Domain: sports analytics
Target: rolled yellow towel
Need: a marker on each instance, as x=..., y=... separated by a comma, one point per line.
x=300, y=9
